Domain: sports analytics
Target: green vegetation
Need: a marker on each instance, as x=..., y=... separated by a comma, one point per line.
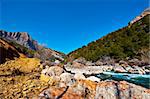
x=125, y=42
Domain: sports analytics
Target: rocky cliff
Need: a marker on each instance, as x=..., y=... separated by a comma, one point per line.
x=143, y=14
x=22, y=38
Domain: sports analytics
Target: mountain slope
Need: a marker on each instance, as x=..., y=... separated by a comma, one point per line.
x=130, y=41
x=24, y=43
x=8, y=52
x=22, y=38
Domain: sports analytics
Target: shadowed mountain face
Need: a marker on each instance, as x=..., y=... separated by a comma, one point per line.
x=130, y=41
x=7, y=51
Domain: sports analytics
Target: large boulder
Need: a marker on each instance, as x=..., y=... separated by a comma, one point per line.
x=79, y=76
x=119, y=68
x=67, y=78
x=107, y=90
x=120, y=90
x=55, y=71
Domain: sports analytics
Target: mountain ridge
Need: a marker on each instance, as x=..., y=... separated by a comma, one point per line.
x=22, y=38
x=24, y=43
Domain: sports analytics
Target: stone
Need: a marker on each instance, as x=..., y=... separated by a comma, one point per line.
x=121, y=90
x=44, y=71
x=88, y=70
x=45, y=78
x=80, y=60
x=93, y=78
x=123, y=63
x=76, y=64
x=106, y=90
x=138, y=70
x=57, y=61
x=99, y=63
x=128, y=68
x=107, y=60
x=67, y=78
x=55, y=71
x=59, y=93
x=79, y=76
x=134, y=62
x=89, y=63
x=119, y=69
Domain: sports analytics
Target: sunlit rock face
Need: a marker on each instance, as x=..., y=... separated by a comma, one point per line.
x=144, y=13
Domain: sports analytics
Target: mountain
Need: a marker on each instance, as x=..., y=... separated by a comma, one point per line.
x=24, y=43
x=131, y=41
x=22, y=38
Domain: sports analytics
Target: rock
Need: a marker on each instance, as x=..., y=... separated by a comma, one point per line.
x=121, y=90
x=55, y=71
x=134, y=62
x=123, y=63
x=93, y=78
x=76, y=64
x=67, y=78
x=99, y=63
x=138, y=70
x=108, y=61
x=128, y=90
x=59, y=93
x=88, y=63
x=44, y=71
x=79, y=76
x=80, y=60
x=147, y=71
x=57, y=61
x=88, y=70
x=52, y=80
x=119, y=69
x=22, y=38
x=107, y=90
x=128, y=68
x=45, y=78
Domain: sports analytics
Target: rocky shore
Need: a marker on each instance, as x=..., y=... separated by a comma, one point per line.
x=90, y=90
x=29, y=78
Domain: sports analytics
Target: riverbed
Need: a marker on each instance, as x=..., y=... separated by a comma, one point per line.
x=143, y=80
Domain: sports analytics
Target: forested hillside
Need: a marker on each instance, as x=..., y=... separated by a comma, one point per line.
x=130, y=41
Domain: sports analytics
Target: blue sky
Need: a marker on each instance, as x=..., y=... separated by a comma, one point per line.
x=66, y=25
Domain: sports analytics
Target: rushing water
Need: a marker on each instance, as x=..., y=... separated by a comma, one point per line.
x=143, y=80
